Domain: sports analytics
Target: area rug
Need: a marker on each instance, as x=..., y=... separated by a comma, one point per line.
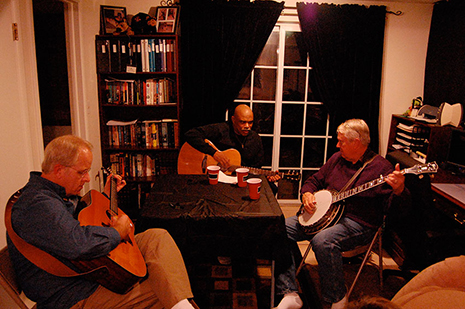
x=226, y=283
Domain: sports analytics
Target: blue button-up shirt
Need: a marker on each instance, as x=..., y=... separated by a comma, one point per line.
x=45, y=217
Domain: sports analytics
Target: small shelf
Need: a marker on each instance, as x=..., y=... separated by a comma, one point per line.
x=416, y=138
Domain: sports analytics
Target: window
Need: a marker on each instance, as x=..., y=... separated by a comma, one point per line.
x=289, y=117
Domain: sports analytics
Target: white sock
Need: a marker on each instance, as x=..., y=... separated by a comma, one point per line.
x=290, y=301
x=183, y=304
x=340, y=304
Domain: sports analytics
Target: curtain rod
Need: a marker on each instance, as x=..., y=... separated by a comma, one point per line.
x=397, y=13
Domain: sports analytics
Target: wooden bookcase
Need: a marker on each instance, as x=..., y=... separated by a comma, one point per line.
x=139, y=107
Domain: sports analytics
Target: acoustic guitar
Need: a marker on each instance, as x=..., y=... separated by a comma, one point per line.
x=329, y=209
x=124, y=266
x=193, y=162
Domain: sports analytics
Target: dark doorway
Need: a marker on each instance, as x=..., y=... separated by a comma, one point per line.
x=52, y=69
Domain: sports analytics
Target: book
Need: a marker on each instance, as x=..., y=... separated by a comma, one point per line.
x=102, y=48
x=124, y=53
x=115, y=55
x=138, y=55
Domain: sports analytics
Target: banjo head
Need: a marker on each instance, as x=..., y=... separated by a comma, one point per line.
x=324, y=199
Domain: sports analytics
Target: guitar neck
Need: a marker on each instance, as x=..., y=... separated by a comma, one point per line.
x=259, y=171
x=113, y=197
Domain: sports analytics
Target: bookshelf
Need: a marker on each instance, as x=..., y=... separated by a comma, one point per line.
x=139, y=108
x=423, y=141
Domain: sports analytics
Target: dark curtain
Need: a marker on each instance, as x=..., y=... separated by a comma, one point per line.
x=220, y=43
x=445, y=61
x=345, y=46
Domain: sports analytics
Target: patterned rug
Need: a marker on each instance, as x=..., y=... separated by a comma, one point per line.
x=225, y=283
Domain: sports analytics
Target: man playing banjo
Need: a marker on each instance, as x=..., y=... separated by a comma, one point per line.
x=354, y=164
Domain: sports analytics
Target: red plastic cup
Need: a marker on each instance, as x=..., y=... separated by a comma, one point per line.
x=213, y=171
x=255, y=185
x=242, y=173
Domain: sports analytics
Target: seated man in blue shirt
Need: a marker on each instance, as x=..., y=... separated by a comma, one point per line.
x=362, y=216
x=44, y=216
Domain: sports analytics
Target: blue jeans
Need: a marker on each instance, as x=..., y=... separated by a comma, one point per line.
x=327, y=246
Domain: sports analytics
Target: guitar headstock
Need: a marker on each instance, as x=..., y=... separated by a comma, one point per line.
x=428, y=168
x=106, y=170
x=291, y=175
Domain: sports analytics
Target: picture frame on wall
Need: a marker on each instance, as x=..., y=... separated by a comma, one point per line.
x=112, y=18
x=167, y=18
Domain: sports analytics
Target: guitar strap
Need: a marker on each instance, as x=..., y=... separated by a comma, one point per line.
x=38, y=257
x=351, y=180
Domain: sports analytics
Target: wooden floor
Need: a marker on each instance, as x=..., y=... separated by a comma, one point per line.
x=368, y=283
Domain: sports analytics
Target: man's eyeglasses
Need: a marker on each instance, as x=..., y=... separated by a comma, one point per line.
x=81, y=173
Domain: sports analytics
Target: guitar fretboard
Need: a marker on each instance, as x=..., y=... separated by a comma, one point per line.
x=113, y=197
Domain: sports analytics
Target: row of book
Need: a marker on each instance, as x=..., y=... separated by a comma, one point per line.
x=137, y=165
x=151, y=91
x=131, y=55
x=151, y=134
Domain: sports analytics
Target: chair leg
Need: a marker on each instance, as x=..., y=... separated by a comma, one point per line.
x=302, y=263
x=380, y=262
x=363, y=262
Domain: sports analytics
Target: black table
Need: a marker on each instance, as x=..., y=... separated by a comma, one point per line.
x=218, y=220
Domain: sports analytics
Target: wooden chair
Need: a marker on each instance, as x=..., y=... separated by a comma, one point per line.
x=8, y=279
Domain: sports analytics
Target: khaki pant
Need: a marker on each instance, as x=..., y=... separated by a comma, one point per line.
x=167, y=282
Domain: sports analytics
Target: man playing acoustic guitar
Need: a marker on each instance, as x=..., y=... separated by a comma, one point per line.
x=358, y=224
x=44, y=216
x=236, y=134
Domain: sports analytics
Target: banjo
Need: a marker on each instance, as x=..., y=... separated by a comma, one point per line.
x=329, y=211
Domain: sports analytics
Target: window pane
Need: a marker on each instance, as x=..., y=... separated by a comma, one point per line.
x=293, y=52
x=264, y=118
x=290, y=151
x=294, y=85
x=314, y=152
x=269, y=55
x=312, y=91
x=268, y=148
x=288, y=189
x=244, y=94
x=306, y=174
x=292, y=119
x=264, y=84
x=316, y=120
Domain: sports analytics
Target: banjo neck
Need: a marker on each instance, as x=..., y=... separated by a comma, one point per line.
x=431, y=167
x=366, y=186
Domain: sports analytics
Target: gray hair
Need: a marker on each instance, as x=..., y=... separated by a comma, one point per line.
x=355, y=128
x=63, y=150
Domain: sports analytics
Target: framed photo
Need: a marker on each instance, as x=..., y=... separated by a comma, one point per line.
x=167, y=19
x=111, y=19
